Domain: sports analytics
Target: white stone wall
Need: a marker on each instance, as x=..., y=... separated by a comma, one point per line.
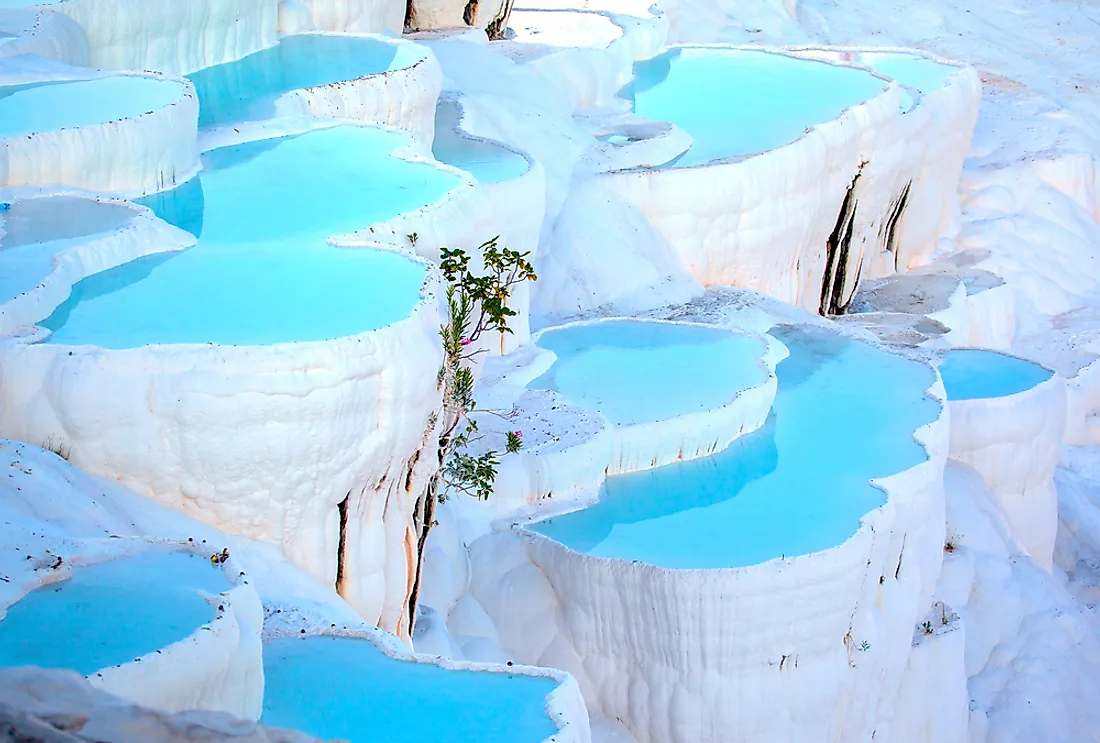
x=1015, y=443
x=129, y=157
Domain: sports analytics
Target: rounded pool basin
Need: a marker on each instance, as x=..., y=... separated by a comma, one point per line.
x=262, y=272
x=247, y=88
x=33, y=231
x=911, y=70
x=485, y=161
x=739, y=102
x=844, y=413
x=346, y=688
x=975, y=374
x=111, y=613
x=634, y=371
x=47, y=107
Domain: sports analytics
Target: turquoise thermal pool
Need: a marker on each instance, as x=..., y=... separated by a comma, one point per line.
x=33, y=231
x=262, y=272
x=47, y=107
x=111, y=613
x=247, y=88
x=912, y=70
x=639, y=372
x=974, y=374
x=738, y=102
x=346, y=688
x=844, y=413
x=485, y=161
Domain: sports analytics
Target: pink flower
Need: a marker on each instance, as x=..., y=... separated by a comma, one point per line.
x=518, y=434
x=465, y=342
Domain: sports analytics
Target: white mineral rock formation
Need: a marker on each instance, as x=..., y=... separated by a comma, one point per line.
x=141, y=234
x=174, y=38
x=353, y=16
x=60, y=707
x=129, y=157
x=1014, y=442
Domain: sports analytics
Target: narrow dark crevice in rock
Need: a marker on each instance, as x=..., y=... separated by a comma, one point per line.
x=842, y=307
x=341, y=556
x=469, y=15
x=410, y=17
x=901, y=554
x=890, y=227
x=837, y=249
x=497, y=28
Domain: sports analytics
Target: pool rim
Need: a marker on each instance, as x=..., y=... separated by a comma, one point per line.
x=428, y=295
x=961, y=68
x=888, y=87
x=459, y=100
x=123, y=548
x=932, y=437
x=769, y=347
x=83, y=75
x=557, y=707
x=940, y=355
x=425, y=58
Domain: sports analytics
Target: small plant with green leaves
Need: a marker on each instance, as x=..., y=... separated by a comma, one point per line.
x=58, y=447
x=476, y=306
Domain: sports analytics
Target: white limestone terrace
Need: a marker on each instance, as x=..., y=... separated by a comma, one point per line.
x=43, y=33
x=940, y=107
x=50, y=510
x=602, y=398
x=589, y=53
x=344, y=16
x=50, y=241
x=127, y=134
x=898, y=328
x=941, y=297
x=148, y=619
x=990, y=301
x=34, y=699
x=977, y=307
x=170, y=37
x=800, y=173
x=832, y=192
x=880, y=627
x=645, y=26
x=382, y=682
x=1008, y=417
x=689, y=562
x=268, y=383
x=489, y=162
x=370, y=79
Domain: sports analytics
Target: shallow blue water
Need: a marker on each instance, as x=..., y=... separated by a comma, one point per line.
x=344, y=688
x=920, y=73
x=485, y=161
x=262, y=272
x=740, y=102
x=47, y=107
x=973, y=374
x=844, y=413
x=637, y=372
x=36, y=230
x=247, y=88
x=111, y=613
